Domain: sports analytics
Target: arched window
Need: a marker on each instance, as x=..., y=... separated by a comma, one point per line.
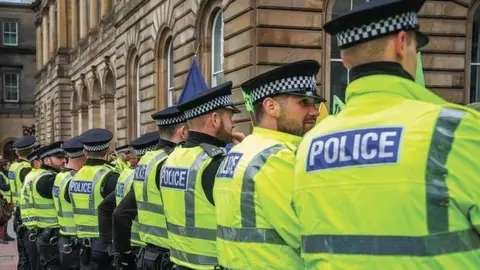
x=475, y=62
x=137, y=94
x=217, y=49
x=170, y=88
x=133, y=96
x=339, y=75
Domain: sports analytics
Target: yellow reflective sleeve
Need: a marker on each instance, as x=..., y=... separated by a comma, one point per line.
x=463, y=166
x=274, y=186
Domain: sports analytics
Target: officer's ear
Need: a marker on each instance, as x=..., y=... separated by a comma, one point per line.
x=271, y=107
x=216, y=119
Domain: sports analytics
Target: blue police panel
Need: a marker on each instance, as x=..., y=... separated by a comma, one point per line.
x=56, y=191
x=359, y=147
x=229, y=163
x=81, y=187
x=119, y=190
x=176, y=178
x=140, y=173
x=11, y=175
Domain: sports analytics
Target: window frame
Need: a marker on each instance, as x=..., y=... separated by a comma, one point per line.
x=170, y=74
x=17, y=73
x=214, y=76
x=138, y=112
x=469, y=96
x=4, y=32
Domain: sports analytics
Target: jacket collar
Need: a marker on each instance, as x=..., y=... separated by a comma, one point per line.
x=166, y=145
x=97, y=162
x=46, y=167
x=277, y=136
x=399, y=82
x=196, y=138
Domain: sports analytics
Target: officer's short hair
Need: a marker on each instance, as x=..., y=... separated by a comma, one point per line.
x=166, y=132
x=99, y=154
x=475, y=106
x=23, y=153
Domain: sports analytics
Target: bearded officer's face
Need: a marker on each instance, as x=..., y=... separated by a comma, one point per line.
x=223, y=124
x=55, y=162
x=297, y=114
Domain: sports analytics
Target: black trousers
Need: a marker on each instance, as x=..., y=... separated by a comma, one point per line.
x=29, y=240
x=154, y=258
x=69, y=253
x=23, y=261
x=48, y=253
x=99, y=259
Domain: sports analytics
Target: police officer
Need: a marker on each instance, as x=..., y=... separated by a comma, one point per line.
x=125, y=255
x=90, y=185
x=188, y=176
x=253, y=186
x=53, y=159
x=17, y=172
x=27, y=230
x=5, y=197
x=123, y=157
x=146, y=195
x=392, y=180
x=67, y=242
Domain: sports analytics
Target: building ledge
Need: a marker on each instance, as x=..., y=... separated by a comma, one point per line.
x=127, y=10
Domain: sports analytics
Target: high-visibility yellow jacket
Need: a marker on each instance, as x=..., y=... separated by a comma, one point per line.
x=256, y=225
x=63, y=207
x=7, y=195
x=29, y=215
x=391, y=182
x=14, y=177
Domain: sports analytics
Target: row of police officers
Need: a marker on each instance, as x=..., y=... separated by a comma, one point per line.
x=388, y=183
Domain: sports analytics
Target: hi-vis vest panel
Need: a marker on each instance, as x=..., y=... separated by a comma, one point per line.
x=29, y=216
x=44, y=207
x=63, y=207
x=152, y=224
x=246, y=239
x=124, y=184
x=7, y=195
x=387, y=183
x=14, y=177
x=85, y=195
x=190, y=216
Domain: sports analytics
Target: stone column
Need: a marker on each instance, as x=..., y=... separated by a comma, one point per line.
x=106, y=7
x=94, y=115
x=82, y=119
x=45, y=36
x=83, y=19
x=74, y=31
x=62, y=23
x=38, y=24
x=52, y=30
x=107, y=111
x=75, y=125
x=93, y=14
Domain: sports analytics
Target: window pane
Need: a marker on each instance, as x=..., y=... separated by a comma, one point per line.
x=475, y=45
x=338, y=80
x=340, y=7
x=13, y=27
x=217, y=43
x=170, y=65
x=475, y=83
x=335, y=51
x=359, y=2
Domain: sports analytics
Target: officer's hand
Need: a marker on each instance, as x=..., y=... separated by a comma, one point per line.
x=125, y=261
x=237, y=137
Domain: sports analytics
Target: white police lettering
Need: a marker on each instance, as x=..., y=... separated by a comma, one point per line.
x=176, y=178
x=379, y=145
x=81, y=187
x=140, y=173
x=56, y=191
x=119, y=190
x=228, y=165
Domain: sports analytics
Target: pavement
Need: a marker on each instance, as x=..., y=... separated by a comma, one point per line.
x=8, y=253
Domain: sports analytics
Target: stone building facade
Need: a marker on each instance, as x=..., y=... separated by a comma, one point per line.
x=112, y=63
x=17, y=74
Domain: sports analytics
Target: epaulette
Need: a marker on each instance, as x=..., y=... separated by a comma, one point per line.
x=212, y=150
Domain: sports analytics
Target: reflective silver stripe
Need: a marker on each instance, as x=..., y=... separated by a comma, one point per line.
x=65, y=214
x=135, y=236
x=84, y=228
x=38, y=176
x=420, y=246
x=190, y=192
x=128, y=181
x=150, y=167
x=154, y=230
x=250, y=235
x=92, y=210
x=47, y=219
x=192, y=232
x=193, y=258
x=44, y=206
x=68, y=229
x=436, y=172
x=150, y=207
x=14, y=194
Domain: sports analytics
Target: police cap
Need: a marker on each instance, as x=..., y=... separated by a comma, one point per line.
x=123, y=149
x=96, y=140
x=53, y=149
x=376, y=19
x=218, y=97
x=73, y=148
x=298, y=78
x=145, y=143
x=169, y=116
x=34, y=155
x=24, y=143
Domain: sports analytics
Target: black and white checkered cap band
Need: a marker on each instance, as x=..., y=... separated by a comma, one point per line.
x=52, y=152
x=298, y=83
x=218, y=102
x=404, y=21
x=143, y=151
x=31, y=159
x=96, y=148
x=170, y=121
x=75, y=154
x=124, y=150
x=25, y=148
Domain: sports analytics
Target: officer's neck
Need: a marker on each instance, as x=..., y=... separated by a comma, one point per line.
x=46, y=167
x=195, y=138
x=22, y=159
x=75, y=163
x=379, y=68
